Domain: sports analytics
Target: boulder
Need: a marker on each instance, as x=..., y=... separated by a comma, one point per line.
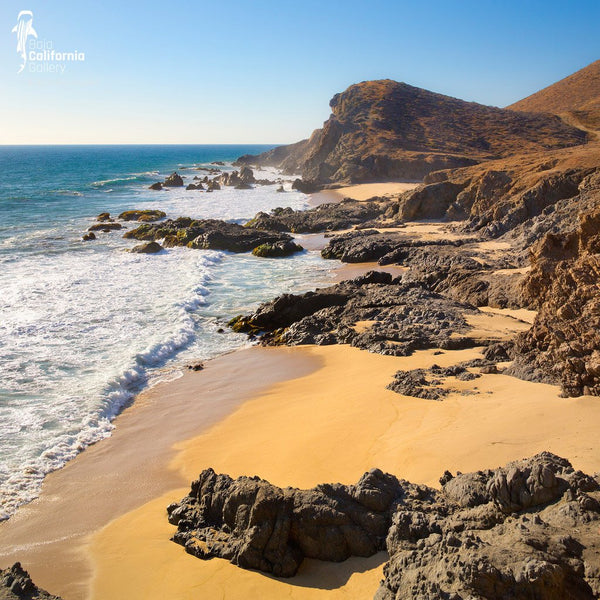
x=103, y=217
x=105, y=227
x=156, y=186
x=88, y=237
x=147, y=248
x=194, y=186
x=246, y=175
x=173, y=180
x=277, y=249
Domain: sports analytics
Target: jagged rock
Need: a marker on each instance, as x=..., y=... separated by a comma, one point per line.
x=105, y=227
x=256, y=525
x=306, y=187
x=206, y=234
x=563, y=345
x=408, y=317
x=16, y=584
x=416, y=384
x=194, y=186
x=277, y=249
x=528, y=530
x=325, y=217
x=212, y=185
x=156, y=186
x=173, y=180
x=246, y=175
x=147, y=248
x=147, y=216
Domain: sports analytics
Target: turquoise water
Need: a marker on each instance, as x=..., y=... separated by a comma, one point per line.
x=85, y=325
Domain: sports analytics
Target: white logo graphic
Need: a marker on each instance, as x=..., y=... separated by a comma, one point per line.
x=39, y=55
x=23, y=29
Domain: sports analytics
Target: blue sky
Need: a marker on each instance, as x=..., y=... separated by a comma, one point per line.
x=263, y=70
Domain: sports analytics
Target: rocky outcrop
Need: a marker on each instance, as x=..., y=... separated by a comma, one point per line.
x=563, y=346
x=143, y=216
x=105, y=227
x=528, y=530
x=156, y=186
x=388, y=130
x=325, y=217
x=173, y=180
x=205, y=234
x=257, y=525
x=16, y=584
x=406, y=317
x=277, y=249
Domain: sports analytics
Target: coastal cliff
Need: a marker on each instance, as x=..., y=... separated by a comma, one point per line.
x=389, y=130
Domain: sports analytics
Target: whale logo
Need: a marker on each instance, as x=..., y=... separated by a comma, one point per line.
x=23, y=29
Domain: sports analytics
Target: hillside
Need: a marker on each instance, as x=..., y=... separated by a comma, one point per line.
x=576, y=98
x=385, y=129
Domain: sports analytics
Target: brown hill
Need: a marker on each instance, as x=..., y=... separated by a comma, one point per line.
x=576, y=98
x=385, y=129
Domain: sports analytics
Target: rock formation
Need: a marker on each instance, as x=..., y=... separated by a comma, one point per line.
x=206, y=233
x=527, y=530
x=563, y=346
x=256, y=525
x=277, y=249
x=173, y=180
x=16, y=584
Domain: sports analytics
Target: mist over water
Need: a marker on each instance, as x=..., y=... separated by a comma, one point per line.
x=85, y=326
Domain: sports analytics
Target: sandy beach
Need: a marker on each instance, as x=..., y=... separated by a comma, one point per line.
x=361, y=191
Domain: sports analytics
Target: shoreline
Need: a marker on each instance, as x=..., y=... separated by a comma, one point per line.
x=48, y=534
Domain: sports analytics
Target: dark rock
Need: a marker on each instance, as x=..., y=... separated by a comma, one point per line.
x=256, y=525
x=147, y=248
x=156, y=186
x=196, y=367
x=306, y=187
x=523, y=531
x=409, y=317
x=277, y=249
x=147, y=216
x=105, y=227
x=243, y=186
x=205, y=233
x=103, y=217
x=88, y=237
x=16, y=584
x=325, y=217
x=173, y=180
x=194, y=186
x=246, y=175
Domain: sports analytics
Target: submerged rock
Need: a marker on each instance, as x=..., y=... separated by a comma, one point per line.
x=88, y=237
x=142, y=215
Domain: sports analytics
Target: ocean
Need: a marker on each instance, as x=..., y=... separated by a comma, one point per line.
x=84, y=326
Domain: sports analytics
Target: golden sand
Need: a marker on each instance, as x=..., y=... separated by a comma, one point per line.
x=362, y=191
x=332, y=425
